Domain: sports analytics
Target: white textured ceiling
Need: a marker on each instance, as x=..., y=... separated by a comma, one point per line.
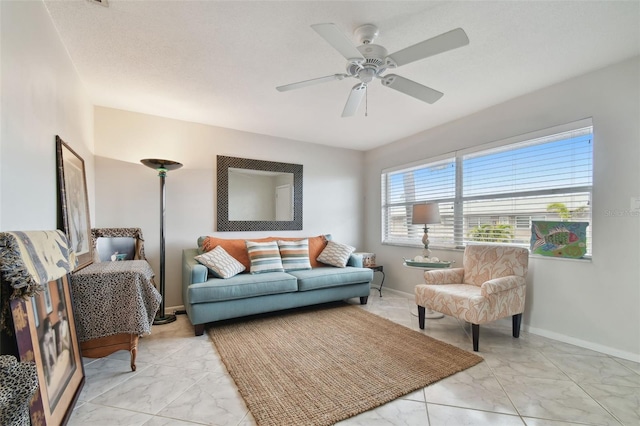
x=218, y=62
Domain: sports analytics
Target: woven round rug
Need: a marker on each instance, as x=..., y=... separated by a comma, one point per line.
x=320, y=365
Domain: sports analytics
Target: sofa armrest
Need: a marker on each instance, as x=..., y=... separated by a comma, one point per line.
x=501, y=284
x=192, y=271
x=444, y=276
x=355, y=260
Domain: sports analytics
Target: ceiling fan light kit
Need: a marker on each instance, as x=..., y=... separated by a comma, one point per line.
x=369, y=61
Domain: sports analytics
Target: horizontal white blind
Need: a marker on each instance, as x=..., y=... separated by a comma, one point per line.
x=492, y=195
x=431, y=182
x=548, y=178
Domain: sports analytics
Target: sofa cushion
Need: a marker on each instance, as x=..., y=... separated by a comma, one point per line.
x=294, y=254
x=241, y=286
x=238, y=249
x=220, y=263
x=336, y=254
x=326, y=276
x=264, y=257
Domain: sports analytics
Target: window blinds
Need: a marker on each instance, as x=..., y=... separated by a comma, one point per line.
x=493, y=194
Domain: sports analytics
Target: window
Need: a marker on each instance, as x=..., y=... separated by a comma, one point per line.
x=492, y=193
x=524, y=222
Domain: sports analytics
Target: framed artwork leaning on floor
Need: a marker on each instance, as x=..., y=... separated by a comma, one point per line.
x=37, y=313
x=49, y=339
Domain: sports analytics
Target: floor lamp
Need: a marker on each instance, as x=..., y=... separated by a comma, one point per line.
x=162, y=166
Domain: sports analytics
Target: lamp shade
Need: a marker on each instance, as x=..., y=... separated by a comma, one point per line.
x=425, y=213
x=156, y=163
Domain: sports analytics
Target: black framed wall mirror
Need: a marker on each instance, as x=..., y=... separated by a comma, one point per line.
x=258, y=195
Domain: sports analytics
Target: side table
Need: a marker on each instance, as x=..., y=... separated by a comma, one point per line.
x=115, y=303
x=378, y=268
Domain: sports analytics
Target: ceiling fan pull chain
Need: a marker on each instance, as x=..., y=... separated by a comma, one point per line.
x=366, y=103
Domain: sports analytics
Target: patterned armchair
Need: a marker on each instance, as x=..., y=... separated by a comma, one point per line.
x=490, y=285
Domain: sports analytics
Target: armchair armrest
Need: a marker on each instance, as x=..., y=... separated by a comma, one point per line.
x=444, y=276
x=501, y=284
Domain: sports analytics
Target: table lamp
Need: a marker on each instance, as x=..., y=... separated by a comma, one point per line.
x=424, y=214
x=162, y=166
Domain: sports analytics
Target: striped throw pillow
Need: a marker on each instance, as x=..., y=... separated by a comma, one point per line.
x=264, y=257
x=294, y=254
x=336, y=254
x=220, y=263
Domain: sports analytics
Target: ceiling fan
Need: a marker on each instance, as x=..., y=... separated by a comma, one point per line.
x=369, y=61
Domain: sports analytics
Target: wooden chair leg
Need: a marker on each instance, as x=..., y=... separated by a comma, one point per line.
x=134, y=350
x=516, y=321
x=363, y=300
x=475, y=331
x=421, y=314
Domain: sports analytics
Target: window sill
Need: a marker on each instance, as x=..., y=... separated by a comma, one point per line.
x=586, y=259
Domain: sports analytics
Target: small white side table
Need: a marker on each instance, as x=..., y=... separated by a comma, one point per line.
x=429, y=313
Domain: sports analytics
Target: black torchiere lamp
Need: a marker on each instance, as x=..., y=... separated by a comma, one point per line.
x=162, y=166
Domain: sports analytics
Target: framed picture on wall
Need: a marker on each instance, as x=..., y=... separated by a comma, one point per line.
x=72, y=189
x=49, y=339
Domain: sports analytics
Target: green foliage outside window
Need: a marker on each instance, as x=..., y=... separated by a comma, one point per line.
x=565, y=214
x=492, y=233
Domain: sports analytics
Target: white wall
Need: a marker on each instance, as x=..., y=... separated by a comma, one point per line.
x=127, y=193
x=42, y=97
x=593, y=304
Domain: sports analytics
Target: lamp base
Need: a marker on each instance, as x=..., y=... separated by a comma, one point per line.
x=425, y=242
x=165, y=319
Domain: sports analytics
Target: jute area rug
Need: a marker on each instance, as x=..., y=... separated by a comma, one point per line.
x=321, y=365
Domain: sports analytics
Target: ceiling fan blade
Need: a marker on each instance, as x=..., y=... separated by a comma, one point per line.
x=411, y=88
x=439, y=44
x=336, y=38
x=311, y=82
x=355, y=97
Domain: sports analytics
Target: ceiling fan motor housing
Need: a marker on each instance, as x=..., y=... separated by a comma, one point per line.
x=374, y=63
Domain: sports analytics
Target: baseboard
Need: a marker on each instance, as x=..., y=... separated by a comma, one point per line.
x=398, y=292
x=173, y=309
x=555, y=336
x=582, y=343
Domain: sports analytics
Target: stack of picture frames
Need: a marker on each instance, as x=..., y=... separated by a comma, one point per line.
x=37, y=316
x=35, y=267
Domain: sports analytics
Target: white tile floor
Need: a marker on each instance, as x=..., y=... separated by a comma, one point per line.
x=530, y=381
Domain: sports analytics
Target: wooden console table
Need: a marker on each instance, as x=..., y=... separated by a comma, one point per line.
x=114, y=304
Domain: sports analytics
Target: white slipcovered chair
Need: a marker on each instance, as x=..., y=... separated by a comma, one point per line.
x=490, y=285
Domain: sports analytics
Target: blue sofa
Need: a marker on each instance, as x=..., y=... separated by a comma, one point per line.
x=208, y=299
